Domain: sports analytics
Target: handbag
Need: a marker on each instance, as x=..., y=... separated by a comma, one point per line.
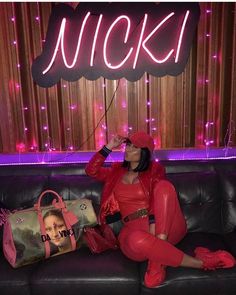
x=100, y=238
x=40, y=232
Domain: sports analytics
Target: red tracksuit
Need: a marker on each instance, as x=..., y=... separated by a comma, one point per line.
x=152, y=192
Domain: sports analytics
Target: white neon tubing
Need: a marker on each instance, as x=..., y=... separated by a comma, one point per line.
x=95, y=39
x=125, y=41
x=181, y=36
x=60, y=40
x=150, y=35
x=140, y=41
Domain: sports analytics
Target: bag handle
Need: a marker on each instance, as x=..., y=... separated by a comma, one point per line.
x=69, y=218
x=59, y=198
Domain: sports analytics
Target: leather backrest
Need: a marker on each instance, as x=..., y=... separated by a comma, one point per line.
x=200, y=201
x=228, y=193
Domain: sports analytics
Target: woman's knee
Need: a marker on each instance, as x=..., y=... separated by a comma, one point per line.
x=164, y=189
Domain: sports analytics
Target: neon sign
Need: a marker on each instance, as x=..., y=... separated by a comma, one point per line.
x=116, y=40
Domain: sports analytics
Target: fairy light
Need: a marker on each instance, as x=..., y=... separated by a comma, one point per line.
x=73, y=107
x=208, y=129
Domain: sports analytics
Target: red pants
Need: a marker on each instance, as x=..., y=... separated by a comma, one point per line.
x=138, y=244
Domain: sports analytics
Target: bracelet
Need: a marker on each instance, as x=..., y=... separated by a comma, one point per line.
x=151, y=219
x=105, y=151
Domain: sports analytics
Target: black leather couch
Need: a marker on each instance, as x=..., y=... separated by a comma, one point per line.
x=207, y=194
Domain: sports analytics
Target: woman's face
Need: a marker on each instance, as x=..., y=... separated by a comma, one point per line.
x=132, y=153
x=54, y=228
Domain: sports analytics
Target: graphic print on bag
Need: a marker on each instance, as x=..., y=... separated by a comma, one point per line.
x=57, y=233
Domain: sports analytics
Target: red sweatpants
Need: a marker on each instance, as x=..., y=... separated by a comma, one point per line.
x=138, y=244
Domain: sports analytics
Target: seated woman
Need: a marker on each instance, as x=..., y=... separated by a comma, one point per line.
x=147, y=202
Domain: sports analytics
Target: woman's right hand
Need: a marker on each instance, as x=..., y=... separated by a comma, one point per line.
x=116, y=141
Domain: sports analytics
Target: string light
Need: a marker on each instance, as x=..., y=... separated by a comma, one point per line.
x=73, y=107
x=208, y=128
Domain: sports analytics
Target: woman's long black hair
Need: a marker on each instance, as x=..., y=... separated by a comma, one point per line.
x=145, y=159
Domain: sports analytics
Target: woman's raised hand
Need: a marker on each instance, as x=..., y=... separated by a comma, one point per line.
x=116, y=141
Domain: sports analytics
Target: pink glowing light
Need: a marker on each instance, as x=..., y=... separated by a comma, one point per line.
x=26, y=129
x=14, y=42
x=108, y=64
x=45, y=127
x=60, y=41
x=124, y=105
x=43, y=108
x=13, y=19
x=181, y=36
x=150, y=35
x=37, y=18
x=73, y=107
x=95, y=39
x=20, y=147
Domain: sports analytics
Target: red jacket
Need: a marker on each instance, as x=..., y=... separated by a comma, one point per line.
x=110, y=175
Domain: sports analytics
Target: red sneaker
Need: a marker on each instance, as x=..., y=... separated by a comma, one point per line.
x=154, y=275
x=212, y=260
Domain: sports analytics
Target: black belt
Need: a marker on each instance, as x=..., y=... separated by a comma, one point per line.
x=137, y=214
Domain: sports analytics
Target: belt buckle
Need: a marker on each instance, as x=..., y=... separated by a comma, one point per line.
x=142, y=213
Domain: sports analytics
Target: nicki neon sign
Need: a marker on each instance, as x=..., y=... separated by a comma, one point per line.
x=116, y=40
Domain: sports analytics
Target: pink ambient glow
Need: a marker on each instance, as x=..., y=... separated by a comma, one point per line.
x=125, y=41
